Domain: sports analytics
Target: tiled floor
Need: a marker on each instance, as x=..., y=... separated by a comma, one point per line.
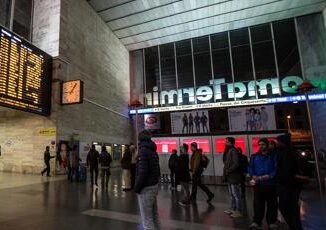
x=32, y=203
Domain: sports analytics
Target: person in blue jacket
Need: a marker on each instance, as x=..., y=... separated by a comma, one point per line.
x=262, y=169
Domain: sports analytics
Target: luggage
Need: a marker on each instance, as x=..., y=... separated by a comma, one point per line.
x=82, y=173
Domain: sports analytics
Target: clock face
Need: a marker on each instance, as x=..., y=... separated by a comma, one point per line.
x=71, y=92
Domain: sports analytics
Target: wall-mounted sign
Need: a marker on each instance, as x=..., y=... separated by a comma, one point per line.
x=254, y=118
x=25, y=75
x=166, y=145
x=47, y=131
x=263, y=101
x=202, y=143
x=152, y=121
x=240, y=142
x=190, y=122
x=72, y=92
x=213, y=91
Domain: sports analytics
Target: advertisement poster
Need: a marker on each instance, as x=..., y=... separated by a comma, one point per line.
x=254, y=118
x=152, y=121
x=190, y=122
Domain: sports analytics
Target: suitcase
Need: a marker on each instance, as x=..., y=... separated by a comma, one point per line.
x=82, y=173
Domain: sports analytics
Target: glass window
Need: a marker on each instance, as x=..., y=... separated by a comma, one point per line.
x=152, y=68
x=168, y=75
x=202, y=61
x=5, y=12
x=219, y=41
x=184, y=63
x=286, y=48
x=23, y=18
x=263, y=51
x=239, y=37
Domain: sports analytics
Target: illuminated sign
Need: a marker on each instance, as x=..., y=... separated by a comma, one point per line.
x=263, y=101
x=166, y=145
x=240, y=142
x=214, y=91
x=202, y=143
x=25, y=75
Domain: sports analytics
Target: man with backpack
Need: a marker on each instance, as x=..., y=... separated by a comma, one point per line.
x=105, y=161
x=173, y=166
x=233, y=175
x=197, y=163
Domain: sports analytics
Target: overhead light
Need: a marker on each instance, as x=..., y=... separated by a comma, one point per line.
x=288, y=117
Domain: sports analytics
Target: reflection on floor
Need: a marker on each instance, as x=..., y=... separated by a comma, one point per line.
x=32, y=203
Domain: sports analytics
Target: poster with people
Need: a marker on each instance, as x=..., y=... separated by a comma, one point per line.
x=190, y=122
x=254, y=118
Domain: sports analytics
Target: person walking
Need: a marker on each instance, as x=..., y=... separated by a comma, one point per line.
x=262, y=170
x=92, y=162
x=290, y=179
x=133, y=151
x=197, y=171
x=147, y=178
x=105, y=161
x=173, y=166
x=183, y=174
x=233, y=175
x=73, y=164
x=126, y=166
x=47, y=158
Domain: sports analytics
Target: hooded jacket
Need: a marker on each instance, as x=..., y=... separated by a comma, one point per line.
x=148, y=167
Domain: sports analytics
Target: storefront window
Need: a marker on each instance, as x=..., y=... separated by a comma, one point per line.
x=152, y=69
x=287, y=48
x=184, y=61
x=168, y=66
x=5, y=12
x=23, y=18
x=202, y=60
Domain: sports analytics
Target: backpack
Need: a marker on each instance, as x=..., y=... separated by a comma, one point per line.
x=204, y=161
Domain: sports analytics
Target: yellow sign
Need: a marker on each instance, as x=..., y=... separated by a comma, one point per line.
x=47, y=131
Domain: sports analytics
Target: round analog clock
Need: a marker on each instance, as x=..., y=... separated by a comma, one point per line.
x=72, y=92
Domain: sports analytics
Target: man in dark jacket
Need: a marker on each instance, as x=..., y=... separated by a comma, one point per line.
x=197, y=171
x=92, y=163
x=173, y=166
x=262, y=169
x=183, y=174
x=147, y=178
x=105, y=161
x=47, y=158
x=233, y=175
x=289, y=178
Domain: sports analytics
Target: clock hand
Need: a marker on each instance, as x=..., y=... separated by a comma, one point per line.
x=73, y=88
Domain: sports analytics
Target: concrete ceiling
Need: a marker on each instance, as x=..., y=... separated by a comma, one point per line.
x=144, y=23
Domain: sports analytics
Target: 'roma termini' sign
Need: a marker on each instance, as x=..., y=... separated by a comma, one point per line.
x=214, y=93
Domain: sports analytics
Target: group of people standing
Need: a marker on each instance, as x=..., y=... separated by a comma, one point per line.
x=277, y=177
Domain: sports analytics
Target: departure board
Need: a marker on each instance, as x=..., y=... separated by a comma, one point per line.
x=25, y=75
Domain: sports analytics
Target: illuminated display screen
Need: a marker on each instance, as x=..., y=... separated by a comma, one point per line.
x=166, y=145
x=203, y=143
x=240, y=142
x=254, y=142
x=25, y=75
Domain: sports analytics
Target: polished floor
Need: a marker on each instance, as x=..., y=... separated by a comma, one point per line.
x=32, y=202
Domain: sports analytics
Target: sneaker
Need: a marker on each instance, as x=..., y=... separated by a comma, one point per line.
x=273, y=226
x=254, y=226
x=210, y=198
x=229, y=211
x=236, y=214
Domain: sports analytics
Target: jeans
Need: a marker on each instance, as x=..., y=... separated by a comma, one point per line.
x=185, y=191
x=265, y=196
x=289, y=206
x=105, y=175
x=148, y=207
x=92, y=170
x=196, y=182
x=235, y=195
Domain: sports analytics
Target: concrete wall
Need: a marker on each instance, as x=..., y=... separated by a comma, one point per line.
x=91, y=52
x=83, y=48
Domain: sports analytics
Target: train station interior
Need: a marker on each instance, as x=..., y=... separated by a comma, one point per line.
x=108, y=79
